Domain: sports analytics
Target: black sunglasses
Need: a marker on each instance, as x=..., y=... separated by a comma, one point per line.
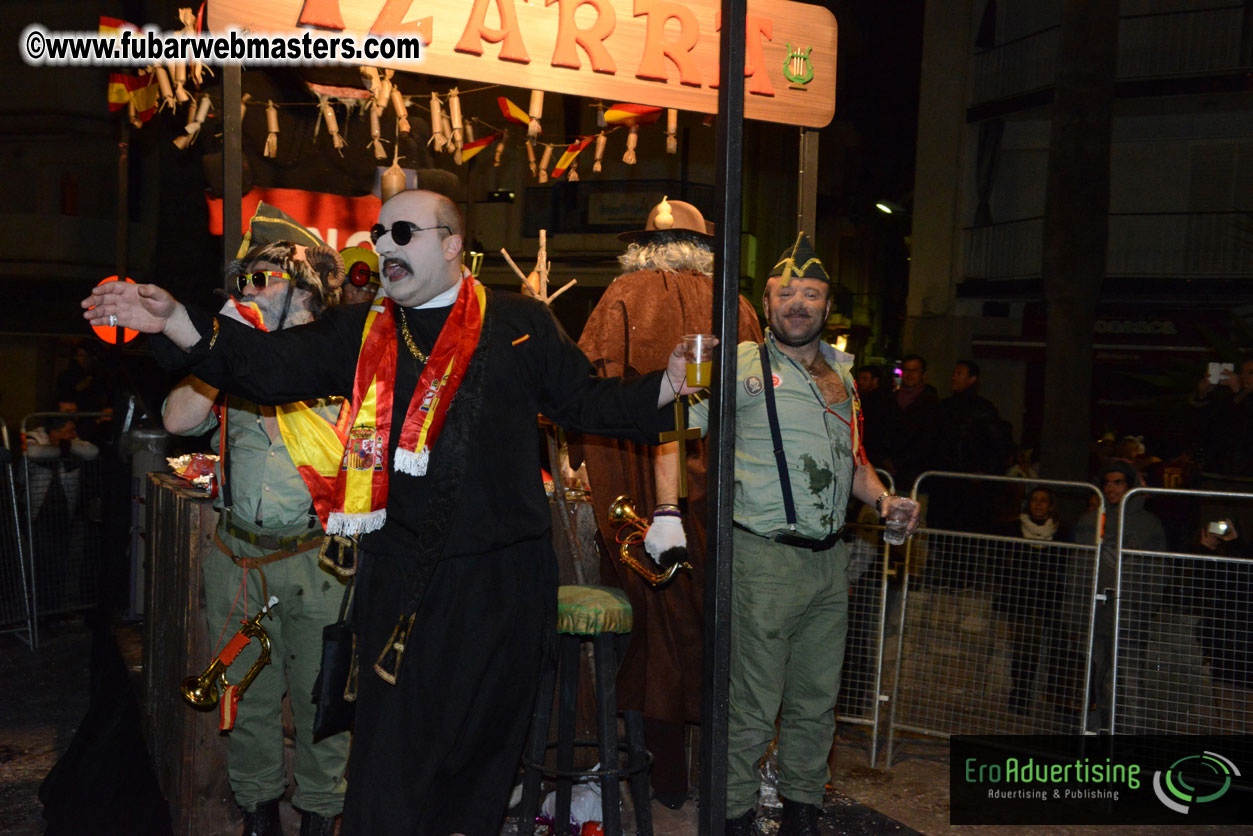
x=402, y=231
x=359, y=274
x=259, y=278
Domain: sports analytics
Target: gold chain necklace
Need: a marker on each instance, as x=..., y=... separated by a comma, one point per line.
x=417, y=353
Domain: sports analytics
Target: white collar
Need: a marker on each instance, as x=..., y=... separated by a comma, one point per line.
x=444, y=299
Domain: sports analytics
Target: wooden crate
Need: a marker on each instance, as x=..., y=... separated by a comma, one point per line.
x=188, y=752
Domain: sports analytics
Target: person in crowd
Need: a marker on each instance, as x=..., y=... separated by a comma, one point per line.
x=789, y=581
x=665, y=292
x=1142, y=531
x=1222, y=432
x=55, y=491
x=266, y=543
x=1224, y=603
x=439, y=479
x=910, y=433
x=361, y=275
x=1032, y=577
x=970, y=437
x=877, y=405
x=1222, y=420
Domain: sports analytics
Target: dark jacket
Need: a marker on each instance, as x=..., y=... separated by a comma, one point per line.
x=969, y=435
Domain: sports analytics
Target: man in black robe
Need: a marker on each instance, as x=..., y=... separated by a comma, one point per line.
x=460, y=581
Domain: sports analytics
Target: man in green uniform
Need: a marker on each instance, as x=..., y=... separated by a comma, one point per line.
x=789, y=579
x=266, y=544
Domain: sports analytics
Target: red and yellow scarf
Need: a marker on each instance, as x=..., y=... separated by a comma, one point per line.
x=345, y=468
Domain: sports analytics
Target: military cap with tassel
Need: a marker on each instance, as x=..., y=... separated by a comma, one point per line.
x=799, y=261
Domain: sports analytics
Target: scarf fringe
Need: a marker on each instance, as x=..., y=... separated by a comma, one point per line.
x=407, y=461
x=353, y=525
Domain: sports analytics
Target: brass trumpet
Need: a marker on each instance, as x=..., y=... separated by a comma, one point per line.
x=202, y=692
x=622, y=512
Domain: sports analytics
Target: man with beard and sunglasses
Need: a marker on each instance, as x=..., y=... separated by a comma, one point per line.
x=798, y=456
x=266, y=541
x=440, y=479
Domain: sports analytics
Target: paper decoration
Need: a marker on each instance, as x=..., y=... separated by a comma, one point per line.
x=535, y=111
x=402, y=111
x=438, y=140
x=543, y=163
x=198, y=113
x=271, y=125
x=601, y=140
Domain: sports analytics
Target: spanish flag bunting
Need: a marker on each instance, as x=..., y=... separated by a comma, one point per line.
x=469, y=149
x=512, y=112
x=569, y=154
x=112, y=26
x=141, y=91
x=632, y=114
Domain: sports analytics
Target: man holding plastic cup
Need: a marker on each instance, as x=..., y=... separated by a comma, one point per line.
x=789, y=581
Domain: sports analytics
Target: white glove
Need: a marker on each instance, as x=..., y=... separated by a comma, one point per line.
x=664, y=534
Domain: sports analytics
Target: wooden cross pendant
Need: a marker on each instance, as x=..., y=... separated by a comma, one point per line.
x=681, y=434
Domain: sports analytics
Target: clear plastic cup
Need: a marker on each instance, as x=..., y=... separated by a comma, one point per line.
x=898, y=521
x=700, y=354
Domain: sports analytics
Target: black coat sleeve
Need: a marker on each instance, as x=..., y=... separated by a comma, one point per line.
x=571, y=394
x=307, y=361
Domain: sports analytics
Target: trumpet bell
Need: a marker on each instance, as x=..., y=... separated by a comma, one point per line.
x=622, y=510
x=201, y=692
x=623, y=514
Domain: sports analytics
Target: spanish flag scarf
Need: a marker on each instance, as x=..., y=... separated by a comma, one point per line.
x=359, y=494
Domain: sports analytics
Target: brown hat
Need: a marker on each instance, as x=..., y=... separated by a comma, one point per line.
x=672, y=220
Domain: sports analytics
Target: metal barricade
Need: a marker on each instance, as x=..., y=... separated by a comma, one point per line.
x=861, y=681
x=14, y=587
x=994, y=629
x=62, y=516
x=1182, y=630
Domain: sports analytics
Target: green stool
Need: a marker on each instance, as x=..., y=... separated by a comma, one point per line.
x=601, y=615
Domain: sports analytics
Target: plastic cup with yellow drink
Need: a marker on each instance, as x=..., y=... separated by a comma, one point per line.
x=699, y=349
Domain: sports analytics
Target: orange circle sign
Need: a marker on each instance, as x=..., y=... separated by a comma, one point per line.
x=108, y=334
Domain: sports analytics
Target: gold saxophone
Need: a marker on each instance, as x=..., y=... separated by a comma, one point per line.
x=202, y=692
x=622, y=512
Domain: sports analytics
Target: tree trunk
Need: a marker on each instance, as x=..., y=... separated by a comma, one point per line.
x=1076, y=226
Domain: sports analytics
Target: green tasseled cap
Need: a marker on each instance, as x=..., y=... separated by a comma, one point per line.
x=799, y=261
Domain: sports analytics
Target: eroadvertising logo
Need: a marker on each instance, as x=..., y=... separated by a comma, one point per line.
x=1120, y=779
x=1174, y=790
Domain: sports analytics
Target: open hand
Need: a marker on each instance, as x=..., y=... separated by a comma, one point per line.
x=140, y=307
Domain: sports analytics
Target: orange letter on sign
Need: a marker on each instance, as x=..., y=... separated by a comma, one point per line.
x=757, y=28
x=323, y=14
x=591, y=38
x=477, y=31
x=657, y=49
x=391, y=22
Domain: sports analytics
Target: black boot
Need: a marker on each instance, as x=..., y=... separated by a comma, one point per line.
x=798, y=819
x=311, y=824
x=743, y=825
x=263, y=821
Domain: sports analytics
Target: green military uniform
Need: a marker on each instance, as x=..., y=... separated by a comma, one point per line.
x=271, y=511
x=789, y=604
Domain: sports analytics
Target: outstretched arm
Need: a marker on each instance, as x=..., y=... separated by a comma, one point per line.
x=140, y=307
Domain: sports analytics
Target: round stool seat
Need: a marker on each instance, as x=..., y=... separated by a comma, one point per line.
x=591, y=610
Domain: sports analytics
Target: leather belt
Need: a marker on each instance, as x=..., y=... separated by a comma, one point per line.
x=783, y=538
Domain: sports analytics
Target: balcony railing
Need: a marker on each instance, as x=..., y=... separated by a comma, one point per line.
x=1158, y=45
x=1184, y=245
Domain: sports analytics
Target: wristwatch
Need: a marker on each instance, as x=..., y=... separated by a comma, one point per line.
x=878, y=503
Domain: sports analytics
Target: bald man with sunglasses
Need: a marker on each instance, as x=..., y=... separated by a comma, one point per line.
x=456, y=586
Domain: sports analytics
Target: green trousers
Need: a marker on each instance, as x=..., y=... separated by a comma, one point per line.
x=789, y=617
x=309, y=599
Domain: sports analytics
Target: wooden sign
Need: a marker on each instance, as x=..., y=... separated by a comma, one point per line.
x=653, y=52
